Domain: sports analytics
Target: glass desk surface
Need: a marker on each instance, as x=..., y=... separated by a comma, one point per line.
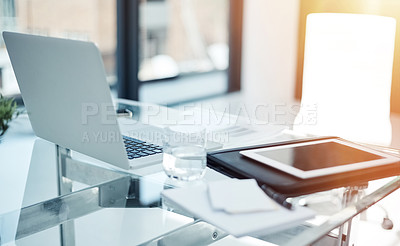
x=51, y=196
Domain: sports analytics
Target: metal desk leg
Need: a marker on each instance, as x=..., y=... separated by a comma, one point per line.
x=351, y=195
x=312, y=235
x=67, y=229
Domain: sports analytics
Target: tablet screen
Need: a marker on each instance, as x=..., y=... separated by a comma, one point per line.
x=318, y=156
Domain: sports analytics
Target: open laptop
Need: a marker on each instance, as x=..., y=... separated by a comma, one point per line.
x=64, y=88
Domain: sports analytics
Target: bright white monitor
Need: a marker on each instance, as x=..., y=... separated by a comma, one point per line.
x=347, y=75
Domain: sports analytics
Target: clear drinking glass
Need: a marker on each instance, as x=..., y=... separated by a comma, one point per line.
x=184, y=152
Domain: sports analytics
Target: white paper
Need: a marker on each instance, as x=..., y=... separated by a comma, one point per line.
x=239, y=196
x=195, y=200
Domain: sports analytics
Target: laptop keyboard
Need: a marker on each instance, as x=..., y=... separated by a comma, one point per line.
x=137, y=148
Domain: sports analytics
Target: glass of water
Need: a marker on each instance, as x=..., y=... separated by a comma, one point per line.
x=184, y=152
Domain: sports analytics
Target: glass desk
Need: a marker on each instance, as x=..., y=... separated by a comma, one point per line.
x=52, y=196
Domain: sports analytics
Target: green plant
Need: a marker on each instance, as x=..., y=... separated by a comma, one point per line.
x=8, y=110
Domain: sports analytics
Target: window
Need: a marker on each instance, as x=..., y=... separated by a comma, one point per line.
x=165, y=50
x=187, y=49
x=182, y=37
x=93, y=20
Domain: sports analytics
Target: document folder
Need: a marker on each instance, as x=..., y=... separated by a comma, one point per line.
x=232, y=163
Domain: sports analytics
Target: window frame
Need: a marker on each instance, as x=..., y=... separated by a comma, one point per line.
x=127, y=52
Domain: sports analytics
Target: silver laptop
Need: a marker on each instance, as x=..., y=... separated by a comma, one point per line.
x=64, y=88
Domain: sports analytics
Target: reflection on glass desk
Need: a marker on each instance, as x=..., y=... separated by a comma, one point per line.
x=50, y=196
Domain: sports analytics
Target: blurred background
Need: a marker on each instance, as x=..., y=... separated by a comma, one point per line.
x=176, y=51
x=175, y=38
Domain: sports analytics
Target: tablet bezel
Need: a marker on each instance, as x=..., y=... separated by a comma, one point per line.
x=386, y=159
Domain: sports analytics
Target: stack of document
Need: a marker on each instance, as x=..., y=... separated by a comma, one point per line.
x=237, y=206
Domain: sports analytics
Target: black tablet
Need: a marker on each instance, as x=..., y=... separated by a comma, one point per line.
x=319, y=158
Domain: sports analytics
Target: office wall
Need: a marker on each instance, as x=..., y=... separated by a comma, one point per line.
x=269, y=58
